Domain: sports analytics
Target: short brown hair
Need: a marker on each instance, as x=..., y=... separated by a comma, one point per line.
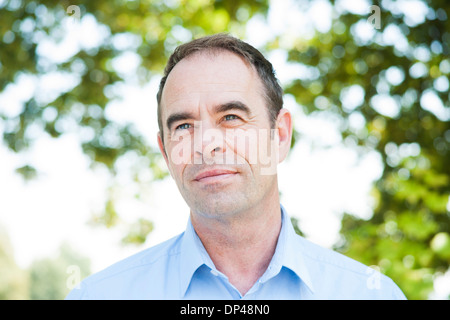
x=221, y=41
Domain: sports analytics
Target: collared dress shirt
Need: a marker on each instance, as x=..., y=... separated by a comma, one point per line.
x=180, y=268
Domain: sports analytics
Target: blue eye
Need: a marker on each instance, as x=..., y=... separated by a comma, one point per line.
x=231, y=117
x=183, y=126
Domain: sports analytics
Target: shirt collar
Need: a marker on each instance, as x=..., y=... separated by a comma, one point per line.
x=288, y=251
x=287, y=254
x=192, y=256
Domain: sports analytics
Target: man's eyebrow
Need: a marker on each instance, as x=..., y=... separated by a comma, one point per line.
x=233, y=105
x=179, y=116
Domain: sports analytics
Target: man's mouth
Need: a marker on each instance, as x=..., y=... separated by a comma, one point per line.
x=212, y=175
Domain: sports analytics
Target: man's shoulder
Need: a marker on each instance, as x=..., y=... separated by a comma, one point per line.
x=330, y=258
x=144, y=258
x=126, y=271
x=333, y=271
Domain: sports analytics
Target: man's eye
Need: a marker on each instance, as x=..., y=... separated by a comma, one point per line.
x=229, y=117
x=183, y=126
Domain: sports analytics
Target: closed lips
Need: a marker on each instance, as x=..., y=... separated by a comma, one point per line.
x=213, y=173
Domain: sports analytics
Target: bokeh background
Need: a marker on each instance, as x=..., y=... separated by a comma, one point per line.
x=82, y=183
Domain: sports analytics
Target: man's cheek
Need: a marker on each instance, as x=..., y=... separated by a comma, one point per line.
x=254, y=146
x=243, y=144
x=181, y=151
x=269, y=153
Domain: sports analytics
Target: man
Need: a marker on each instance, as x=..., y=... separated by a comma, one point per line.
x=223, y=130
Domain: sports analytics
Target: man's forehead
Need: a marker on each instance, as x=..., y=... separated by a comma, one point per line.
x=205, y=73
x=207, y=64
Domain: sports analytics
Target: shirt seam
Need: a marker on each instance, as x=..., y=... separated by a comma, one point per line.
x=324, y=259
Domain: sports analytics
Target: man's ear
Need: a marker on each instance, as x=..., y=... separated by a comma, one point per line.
x=284, y=128
x=162, y=148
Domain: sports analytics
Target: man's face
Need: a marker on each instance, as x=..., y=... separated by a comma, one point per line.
x=218, y=142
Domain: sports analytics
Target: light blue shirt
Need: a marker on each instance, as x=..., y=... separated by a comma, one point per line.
x=180, y=268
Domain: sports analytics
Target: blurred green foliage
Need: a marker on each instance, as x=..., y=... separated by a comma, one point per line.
x=45, y=279
x=14, y=282
x=411, y=214
x=50, y=278
x=397, y=89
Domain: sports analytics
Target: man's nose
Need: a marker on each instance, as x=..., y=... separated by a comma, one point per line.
x=208, y=140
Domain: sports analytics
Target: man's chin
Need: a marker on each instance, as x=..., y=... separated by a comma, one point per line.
x=217, y=208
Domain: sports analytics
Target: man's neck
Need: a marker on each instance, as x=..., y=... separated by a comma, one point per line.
x=242, y=247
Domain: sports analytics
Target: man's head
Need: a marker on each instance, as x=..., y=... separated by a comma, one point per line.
x=273, y=93
x=220, y=131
